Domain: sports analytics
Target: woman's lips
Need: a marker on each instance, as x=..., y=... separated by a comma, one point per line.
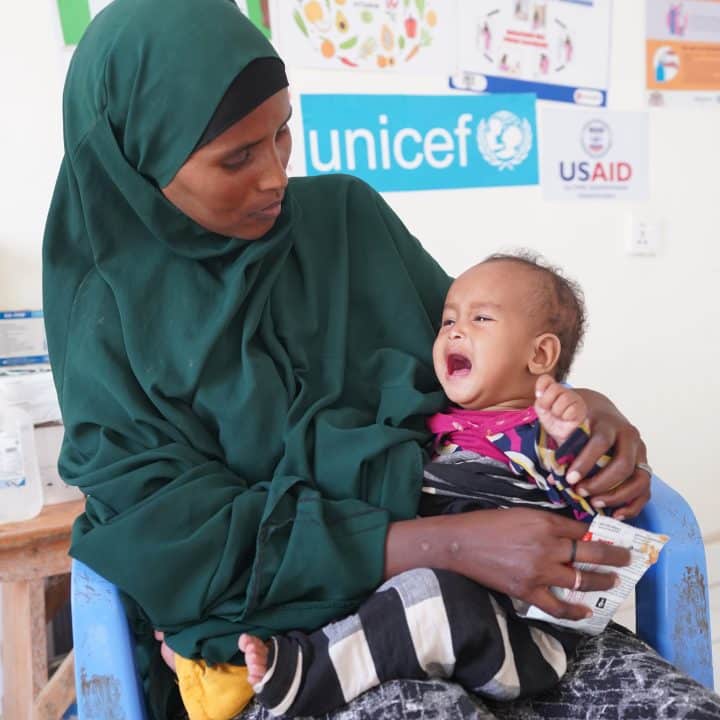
x=270, y=211
x=458, y=365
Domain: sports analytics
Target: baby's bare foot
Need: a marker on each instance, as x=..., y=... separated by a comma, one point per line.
x=256, y=655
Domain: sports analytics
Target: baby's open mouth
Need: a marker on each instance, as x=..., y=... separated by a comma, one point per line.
x=458, y=365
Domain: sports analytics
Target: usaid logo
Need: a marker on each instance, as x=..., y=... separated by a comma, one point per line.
x=596, y=138
x=596, y=142
x=401, y=142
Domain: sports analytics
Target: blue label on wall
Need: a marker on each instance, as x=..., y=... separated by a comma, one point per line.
x=423, y=142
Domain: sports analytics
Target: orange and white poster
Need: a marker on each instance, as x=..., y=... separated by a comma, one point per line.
x=382, y=35
x=683, y=52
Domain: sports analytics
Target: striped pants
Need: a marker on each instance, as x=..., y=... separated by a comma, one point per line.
x=419, y=625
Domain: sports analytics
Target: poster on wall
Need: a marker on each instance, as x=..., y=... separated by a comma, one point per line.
x=683, y=52
x=383, y=35
x=75, y=16
x=422, y=142
x=557, y=49
x=594, y=155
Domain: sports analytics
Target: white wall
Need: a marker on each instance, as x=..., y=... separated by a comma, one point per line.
x=654, y=342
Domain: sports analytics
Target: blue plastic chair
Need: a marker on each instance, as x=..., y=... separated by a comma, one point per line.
x=672, y=613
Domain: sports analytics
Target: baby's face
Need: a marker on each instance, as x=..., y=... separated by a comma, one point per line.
x=486, y=338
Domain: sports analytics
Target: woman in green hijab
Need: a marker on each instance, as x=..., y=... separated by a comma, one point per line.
x=243, y=363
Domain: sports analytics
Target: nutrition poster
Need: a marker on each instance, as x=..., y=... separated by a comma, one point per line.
x=557, y=49
x=382, y=35
x=683, y=52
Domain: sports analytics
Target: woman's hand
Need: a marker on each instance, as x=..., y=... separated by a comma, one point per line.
x=520, y=552
x=622, y=484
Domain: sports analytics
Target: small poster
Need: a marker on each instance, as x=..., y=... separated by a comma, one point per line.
x=594, y=155
x=383, y=35
x=422, y=142
x=557, y=49
x=75, y=16
x=683, y=52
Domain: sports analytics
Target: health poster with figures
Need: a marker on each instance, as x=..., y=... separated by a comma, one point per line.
x=557, y=49
x=683, y=52
x=381, y=35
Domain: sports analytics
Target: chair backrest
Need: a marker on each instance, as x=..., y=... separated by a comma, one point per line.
x=672, y=611
x=672, y=607
x=106, y=679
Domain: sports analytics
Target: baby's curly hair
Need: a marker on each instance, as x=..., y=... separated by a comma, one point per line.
x=559, y=305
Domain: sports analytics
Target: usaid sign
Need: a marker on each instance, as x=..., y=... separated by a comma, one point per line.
x=594, y=155
x=422, y=142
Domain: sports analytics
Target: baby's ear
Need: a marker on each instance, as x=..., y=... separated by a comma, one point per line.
x=545, y=354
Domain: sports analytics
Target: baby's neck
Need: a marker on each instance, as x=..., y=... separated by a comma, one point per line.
x=518, y=404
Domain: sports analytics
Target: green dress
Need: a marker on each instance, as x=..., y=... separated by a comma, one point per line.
x=244, y=417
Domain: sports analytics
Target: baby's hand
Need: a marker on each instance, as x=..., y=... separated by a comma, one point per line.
x=559, y=409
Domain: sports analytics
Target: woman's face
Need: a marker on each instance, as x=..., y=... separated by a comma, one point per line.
x=235, y=184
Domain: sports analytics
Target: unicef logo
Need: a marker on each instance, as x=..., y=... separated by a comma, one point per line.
x=504, y=140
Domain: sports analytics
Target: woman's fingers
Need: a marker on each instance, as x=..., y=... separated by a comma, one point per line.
x=602, y=437
x=553, y=605
x=631, y=494
x=587, y=581
x=628, y=450
x=600, y=553
x=633, y=508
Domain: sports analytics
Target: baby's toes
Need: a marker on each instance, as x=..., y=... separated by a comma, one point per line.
x=247, y=643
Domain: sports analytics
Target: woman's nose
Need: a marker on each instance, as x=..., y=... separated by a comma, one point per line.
x=274, y=176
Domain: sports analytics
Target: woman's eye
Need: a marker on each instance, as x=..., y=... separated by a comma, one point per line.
x=238, y=161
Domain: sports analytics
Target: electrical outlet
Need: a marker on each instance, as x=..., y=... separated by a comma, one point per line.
x=643, y=236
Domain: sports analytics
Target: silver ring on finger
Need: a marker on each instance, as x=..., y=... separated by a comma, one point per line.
x=578, y=579
x=645, y=467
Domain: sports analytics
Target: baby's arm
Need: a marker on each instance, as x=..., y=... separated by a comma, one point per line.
x=560, y=410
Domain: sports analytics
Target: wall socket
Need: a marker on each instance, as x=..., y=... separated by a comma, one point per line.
x=643, y=235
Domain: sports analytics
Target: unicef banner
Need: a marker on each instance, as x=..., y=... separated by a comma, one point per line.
x=422, y=142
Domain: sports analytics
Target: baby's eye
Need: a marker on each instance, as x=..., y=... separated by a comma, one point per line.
x=447, y=321
x=482, y=318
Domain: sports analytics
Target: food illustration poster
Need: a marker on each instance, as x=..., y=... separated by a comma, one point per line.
x=382, y=35
x=683, y=52
x=558, y=49
x=75, y=16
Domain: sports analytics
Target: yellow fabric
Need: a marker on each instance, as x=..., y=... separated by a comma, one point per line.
x=217, y=692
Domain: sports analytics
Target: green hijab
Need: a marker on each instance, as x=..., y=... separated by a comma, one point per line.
x=244, y=417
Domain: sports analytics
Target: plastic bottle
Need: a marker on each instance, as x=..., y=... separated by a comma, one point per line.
x=21, y=491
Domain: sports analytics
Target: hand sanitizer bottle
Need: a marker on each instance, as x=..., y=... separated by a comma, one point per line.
x=21, y=492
